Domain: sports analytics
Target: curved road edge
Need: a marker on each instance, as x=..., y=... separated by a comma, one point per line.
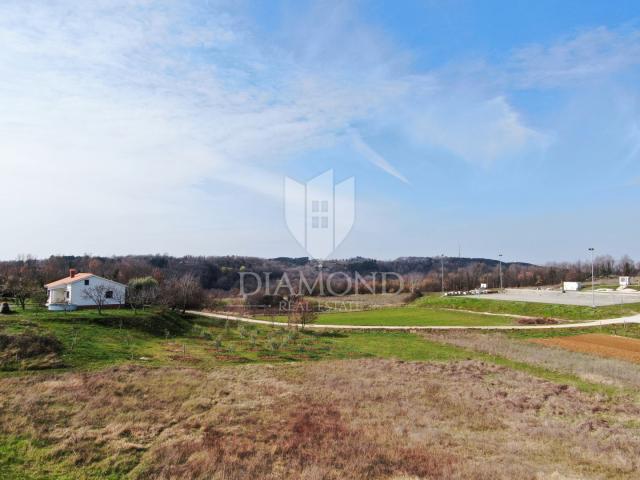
x=593, y=323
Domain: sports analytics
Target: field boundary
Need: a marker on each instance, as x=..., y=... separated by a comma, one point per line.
x=592, y=323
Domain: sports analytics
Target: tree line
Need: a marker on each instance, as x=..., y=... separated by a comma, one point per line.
x=183, y=282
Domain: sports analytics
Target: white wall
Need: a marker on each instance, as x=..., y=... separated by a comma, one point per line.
x=572, y=286
x=78, y=297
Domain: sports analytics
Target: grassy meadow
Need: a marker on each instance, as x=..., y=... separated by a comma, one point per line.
x=435, y=310
x=157, y=394
x=532, y=309
x=406, y=316
x=155, y=338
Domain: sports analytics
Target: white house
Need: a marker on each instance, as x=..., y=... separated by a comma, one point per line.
x=75, y=291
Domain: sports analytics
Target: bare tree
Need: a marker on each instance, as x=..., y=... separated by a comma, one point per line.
x=21, y=289
x=183, y=292
x=301, y=312
x=97, y=294
x=413, y=280
x=120, y=296
x=625, y=266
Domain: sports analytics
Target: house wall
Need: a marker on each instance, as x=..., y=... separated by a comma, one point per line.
x=78, y=297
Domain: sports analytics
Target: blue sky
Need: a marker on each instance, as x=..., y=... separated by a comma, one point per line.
x=143, y=127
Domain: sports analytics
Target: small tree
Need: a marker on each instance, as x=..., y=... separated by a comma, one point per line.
x=21, y=289
x=142, y=291
x=302, y=313
x=184, y=292
x=97, y=294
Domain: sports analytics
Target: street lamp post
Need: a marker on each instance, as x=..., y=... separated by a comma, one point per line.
x=593, y=291
x=442, y=271
x=500, y=257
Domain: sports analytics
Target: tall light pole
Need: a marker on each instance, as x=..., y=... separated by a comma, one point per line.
x=593, y=291
x=442, y=269
x=500, y=257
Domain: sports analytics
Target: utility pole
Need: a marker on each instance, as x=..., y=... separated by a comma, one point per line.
x=593, y=291
x=500, y=257
x=442, y=273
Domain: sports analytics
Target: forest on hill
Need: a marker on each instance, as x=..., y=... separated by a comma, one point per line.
x=222, y=273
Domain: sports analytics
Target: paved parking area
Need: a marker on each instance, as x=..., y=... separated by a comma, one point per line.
x=568, y=298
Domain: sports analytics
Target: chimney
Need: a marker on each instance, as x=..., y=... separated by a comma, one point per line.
x=72, y=272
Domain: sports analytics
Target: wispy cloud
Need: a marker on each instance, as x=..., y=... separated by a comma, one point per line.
x=165, y=113
x=476, y=129
x=374, y=157
x=584, y=56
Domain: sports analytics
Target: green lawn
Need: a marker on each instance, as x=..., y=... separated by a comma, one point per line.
x=565, y=312
x=93, y=341
x=410, y=316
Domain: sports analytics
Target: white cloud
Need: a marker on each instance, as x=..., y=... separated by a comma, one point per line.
x=584, y=56
x=479, y=131
x=154, y=108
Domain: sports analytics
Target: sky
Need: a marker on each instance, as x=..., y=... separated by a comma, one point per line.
x=479, y=127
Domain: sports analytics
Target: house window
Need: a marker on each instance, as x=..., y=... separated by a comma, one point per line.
x=108, y=294
x=86, y=282
x=66, y=294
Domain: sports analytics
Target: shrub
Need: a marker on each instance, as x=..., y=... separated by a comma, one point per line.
x=264, y=300
x=413, y=296
x=142, y=291
x=242, y=331
x=537, y=321
x=273, y=343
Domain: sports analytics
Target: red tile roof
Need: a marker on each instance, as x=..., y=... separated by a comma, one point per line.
x=68, y=280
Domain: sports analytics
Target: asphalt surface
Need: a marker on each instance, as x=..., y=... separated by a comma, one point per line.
x=583, y=298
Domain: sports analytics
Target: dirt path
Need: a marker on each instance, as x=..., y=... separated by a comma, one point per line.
x=594, y=323
x=610, y=346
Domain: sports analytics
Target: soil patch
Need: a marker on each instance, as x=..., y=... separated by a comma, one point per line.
x=611, y=346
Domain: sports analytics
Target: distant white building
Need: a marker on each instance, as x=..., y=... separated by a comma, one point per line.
x=625, y=281
x=70, y=293
x=572, y=286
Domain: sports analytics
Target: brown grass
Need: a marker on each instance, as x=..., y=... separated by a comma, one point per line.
x=608, y=371
x=29, y=351
x=612, y=346
x=363, y=419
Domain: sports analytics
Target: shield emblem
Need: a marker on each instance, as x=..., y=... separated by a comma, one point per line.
x=318, y=213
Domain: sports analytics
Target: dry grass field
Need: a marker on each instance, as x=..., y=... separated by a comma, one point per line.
x=352, y=419
x=603, y=345
x=157, y=395
x=540, y=353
